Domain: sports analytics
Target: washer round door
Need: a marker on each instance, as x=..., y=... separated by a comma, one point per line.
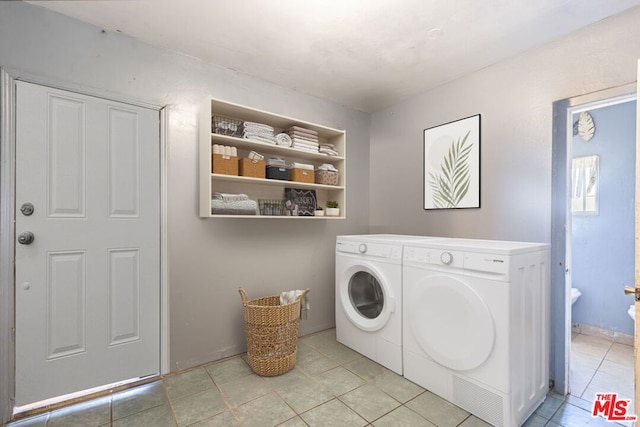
x=451, y=322
x=365, y=298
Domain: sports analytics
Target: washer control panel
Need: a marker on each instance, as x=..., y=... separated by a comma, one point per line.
x=370, y=249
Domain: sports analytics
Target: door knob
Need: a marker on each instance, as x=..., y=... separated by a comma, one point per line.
x=629, y=290
x=26, y=238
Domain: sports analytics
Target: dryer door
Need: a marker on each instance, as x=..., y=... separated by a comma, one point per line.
x=450, y=322
x=366, y=297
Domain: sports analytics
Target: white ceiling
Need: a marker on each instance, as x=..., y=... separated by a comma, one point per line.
x=364, y=54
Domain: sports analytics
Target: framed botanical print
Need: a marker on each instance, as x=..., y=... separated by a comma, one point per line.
x=452, y=165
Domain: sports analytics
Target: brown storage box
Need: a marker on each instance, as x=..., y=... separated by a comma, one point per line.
x=302, y=175
x=224, y=164
x=254, y=170
x=326, y=177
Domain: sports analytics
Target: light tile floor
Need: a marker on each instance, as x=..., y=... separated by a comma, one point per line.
x=599, y=364
x=331, y=385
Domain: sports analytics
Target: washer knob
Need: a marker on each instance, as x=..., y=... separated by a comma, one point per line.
x=362, y=248
x=446, y=258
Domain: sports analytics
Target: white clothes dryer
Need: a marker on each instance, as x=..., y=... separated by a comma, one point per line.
x=476, y=325
x=369, y=295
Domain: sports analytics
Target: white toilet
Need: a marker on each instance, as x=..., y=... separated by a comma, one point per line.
x=632, y=312
x=575, y=294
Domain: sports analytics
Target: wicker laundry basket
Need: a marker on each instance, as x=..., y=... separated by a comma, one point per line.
x=272, y=333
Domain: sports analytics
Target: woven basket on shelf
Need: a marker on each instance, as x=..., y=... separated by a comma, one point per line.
x=272, y=333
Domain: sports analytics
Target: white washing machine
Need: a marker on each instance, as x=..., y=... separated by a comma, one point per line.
x=476, y=325
x=369, y=295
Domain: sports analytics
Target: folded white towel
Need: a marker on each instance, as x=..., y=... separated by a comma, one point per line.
x=233, y=204
x=328, y=152
x=303, y=130
x=305, y=141
x=327, y=167
x=230, y=197
x=224, y=150
x=307, y=150
x=304, y=145
x=253, y=131
x=301, y=166
x=260, y=138
x=328, y=148
x=302, y=136
x=283, y=139
x=255, y=157
x=257, y=130
x=257, y=125
x=276, y=161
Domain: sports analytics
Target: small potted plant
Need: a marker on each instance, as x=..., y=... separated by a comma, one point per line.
x=332, y=208
x=319, y=211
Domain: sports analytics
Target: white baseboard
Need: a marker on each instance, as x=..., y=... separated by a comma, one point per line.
x=619, y=337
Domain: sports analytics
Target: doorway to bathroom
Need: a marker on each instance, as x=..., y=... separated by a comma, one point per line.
x=601, y=141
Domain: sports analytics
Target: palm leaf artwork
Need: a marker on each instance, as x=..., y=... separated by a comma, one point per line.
x=450, y=185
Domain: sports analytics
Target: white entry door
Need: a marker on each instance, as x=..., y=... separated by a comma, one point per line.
x=88, y=285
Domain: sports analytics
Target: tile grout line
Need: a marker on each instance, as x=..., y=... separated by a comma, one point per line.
x=597, y=368
x=165, y=391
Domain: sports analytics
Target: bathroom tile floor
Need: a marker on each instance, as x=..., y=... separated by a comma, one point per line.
x=599, y=364
x=331, y=385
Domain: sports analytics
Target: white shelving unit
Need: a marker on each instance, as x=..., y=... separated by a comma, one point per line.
x=258, y=188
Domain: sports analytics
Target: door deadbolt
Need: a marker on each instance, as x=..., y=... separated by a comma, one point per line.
x=27, y=209
x=26, y=238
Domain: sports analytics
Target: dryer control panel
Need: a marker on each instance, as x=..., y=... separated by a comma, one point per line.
x=429, y=256
x=369, y=249
x=486, y=263
x=473, y=261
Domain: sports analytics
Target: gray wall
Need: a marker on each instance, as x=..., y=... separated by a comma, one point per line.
x=602, y=244
x=208, y=258
x=515, y=100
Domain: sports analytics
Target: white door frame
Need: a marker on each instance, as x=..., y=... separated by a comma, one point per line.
x=561, y=222
x=7, y=228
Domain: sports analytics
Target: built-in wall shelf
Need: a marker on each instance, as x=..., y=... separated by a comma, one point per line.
x=263, y=188
x=266, y=148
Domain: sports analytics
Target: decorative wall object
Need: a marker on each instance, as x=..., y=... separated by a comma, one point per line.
x=452, y=165
x=584, y=184
x=299, y=202
x=586, y=126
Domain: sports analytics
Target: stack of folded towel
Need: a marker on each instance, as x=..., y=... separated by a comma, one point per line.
x=303, y=139
x=258, y=132
x=328, y=149
x=233, y=204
